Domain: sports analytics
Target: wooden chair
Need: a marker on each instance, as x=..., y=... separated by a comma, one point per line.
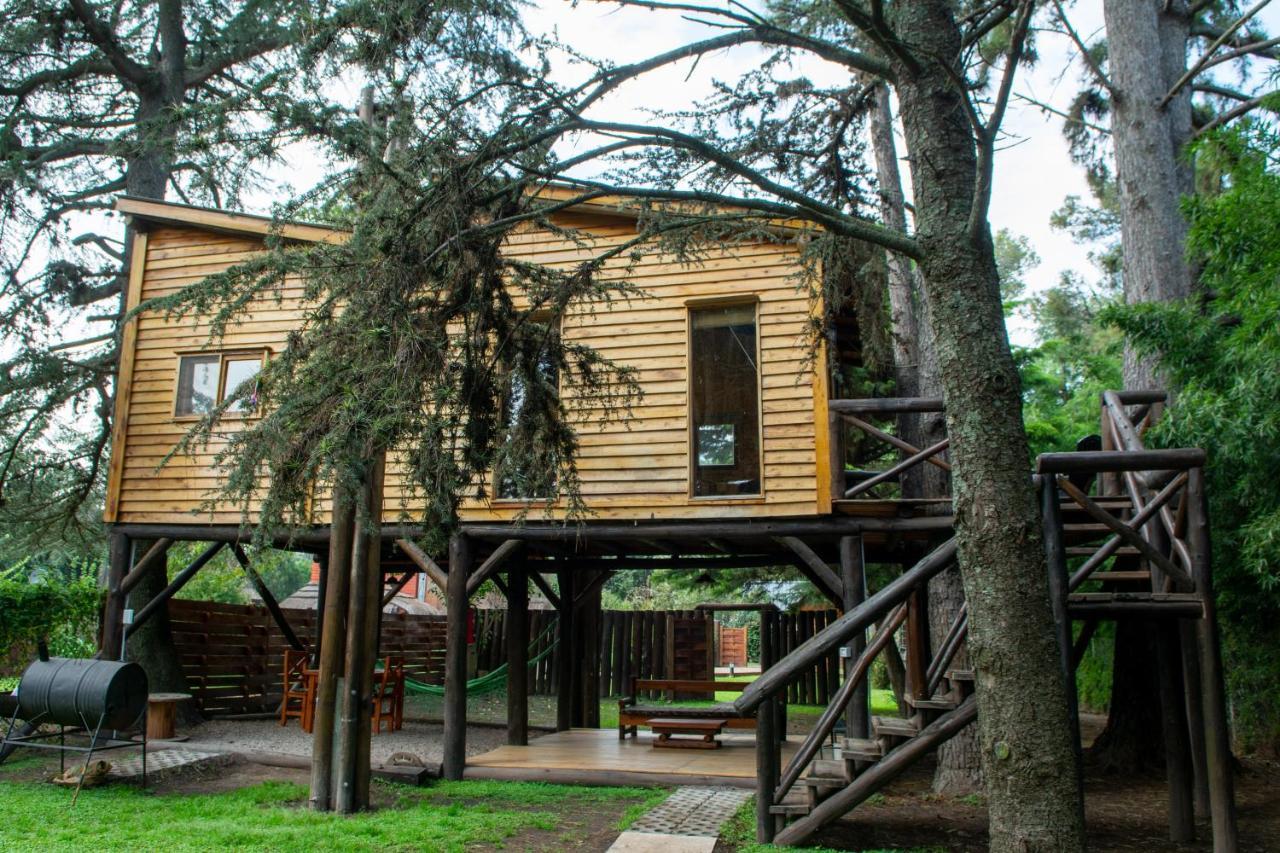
x=299, y=690
x=388, y=696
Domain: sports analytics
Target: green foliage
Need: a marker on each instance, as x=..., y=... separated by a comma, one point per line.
x=66, y=613
x=450, y=816
x=1221, y=350
x=222, y=579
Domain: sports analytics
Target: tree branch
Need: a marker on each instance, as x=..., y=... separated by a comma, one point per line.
x=1208, y=54
x=74, y=71
x=987, y=138
x=102, y=36
x=1230, y=115
x=1082, y=47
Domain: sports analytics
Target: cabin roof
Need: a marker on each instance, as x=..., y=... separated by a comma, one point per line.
x=233, y=222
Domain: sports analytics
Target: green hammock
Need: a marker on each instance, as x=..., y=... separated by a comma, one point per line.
x=490, y=682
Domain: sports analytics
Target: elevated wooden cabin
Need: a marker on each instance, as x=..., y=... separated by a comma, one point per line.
x=732, y=423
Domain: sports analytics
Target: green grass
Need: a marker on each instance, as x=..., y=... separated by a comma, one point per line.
x=449, y=816
x=740, y=832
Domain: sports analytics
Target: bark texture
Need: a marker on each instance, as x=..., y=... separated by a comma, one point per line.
x=916, y=375
x=1027, y=755
x=1147, y=49
x=152, y=645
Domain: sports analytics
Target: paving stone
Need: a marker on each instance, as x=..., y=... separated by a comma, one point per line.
x=658, y=842
x=693, y=810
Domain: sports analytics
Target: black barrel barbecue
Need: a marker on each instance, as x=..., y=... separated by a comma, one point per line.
x=87, y=693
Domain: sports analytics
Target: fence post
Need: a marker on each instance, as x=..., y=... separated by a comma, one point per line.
x=766, y=768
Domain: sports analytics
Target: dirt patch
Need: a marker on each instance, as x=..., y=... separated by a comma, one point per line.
x=1123, y=814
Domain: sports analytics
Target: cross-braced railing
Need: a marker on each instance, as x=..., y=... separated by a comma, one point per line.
x=858, y=414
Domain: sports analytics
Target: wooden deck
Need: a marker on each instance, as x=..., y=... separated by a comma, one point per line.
x=598, y=757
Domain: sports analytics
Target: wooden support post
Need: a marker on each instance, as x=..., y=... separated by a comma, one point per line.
x=455, y=671
x=119, y=549
x=1222, y=802
x=273, y=606
x=1059, y=591
x=590, y=618
x=351, y=787
x=1193, y=687
x=917, y=632
x=767, y=618
x=766, y=768
x=174, y=586
x=517, y=654
x=565, y=664
x=1173, y=723
x=332, y=631
x=854, y=588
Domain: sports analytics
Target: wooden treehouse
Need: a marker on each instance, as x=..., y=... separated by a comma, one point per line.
x=738, y=456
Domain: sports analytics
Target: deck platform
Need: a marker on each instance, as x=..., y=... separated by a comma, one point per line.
x=598, y=757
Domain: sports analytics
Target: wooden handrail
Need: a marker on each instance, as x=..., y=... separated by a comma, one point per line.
x=1098, y=461
x=890, y=473
x=887, y=405
x=777, y=677
x=826, y=723
x=1137, y=522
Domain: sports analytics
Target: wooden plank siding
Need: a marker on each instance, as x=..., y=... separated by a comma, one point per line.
x=633, y=471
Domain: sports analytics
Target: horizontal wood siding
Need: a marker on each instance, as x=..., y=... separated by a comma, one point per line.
x=639, y=470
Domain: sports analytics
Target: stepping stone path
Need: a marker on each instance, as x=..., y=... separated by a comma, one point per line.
x=688, y=821
x=163, y=762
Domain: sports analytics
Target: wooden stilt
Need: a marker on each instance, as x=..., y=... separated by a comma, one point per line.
x=455, y=671
x=1222, y=805
x=333, y=644
x=1059, y=590
x=917, y=633
x=767, y=768
x=1173, y=722
x=350, y=790
x=322, y=590
x=119, y=549
x=1193, y=687
x=565, y=654
x=517, y=654
x=854, y=591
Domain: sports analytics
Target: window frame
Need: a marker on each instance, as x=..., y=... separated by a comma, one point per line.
x=223, y=356
x=691, y=429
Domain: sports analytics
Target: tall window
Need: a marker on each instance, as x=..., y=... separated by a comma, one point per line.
x=724, y=393
x=205, y=380
x=514, y=483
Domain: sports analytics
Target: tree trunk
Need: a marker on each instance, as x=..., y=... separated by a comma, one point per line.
x=1132, y=742
x=1147, y=48
x=916, y=375
x=152, y=645
x=1028, y=760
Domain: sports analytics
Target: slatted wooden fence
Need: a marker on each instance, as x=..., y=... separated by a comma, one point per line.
x=731, y=646
x=233, y=654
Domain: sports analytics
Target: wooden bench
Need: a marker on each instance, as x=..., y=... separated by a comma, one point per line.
x=676, y=733
x=632, y=715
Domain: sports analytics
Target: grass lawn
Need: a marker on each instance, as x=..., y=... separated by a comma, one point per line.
x=740, y=833
x=447, y=816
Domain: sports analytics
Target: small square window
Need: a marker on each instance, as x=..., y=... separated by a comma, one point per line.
x=197, y=384
x=240, y=370
x=206, y=380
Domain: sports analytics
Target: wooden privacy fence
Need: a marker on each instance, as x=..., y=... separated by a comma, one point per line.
x=731, y=646
x=233, y=654
x=661, y=644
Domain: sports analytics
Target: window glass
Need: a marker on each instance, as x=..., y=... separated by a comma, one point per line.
x=724, y=388
x=515, y=484
x=240, y=369
x=197, y=384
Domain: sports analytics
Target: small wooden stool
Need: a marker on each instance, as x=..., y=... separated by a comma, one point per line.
x=162, y=709
x=702, y=733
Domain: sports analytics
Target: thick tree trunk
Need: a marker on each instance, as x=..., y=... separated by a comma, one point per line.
x=916, y=375
x=1028, y=761
x=152, y=645
x=1147, y=48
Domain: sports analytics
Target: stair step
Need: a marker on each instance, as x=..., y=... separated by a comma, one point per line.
x=862, y=749
x=897, y=726
x=960, y=675
x=825, y=782
x=828, y=768
x=936, y=703
x=790, y=809
x=1088, y=551
x=1119, y=577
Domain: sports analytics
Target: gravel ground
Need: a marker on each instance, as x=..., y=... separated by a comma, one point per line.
x=421, y=739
